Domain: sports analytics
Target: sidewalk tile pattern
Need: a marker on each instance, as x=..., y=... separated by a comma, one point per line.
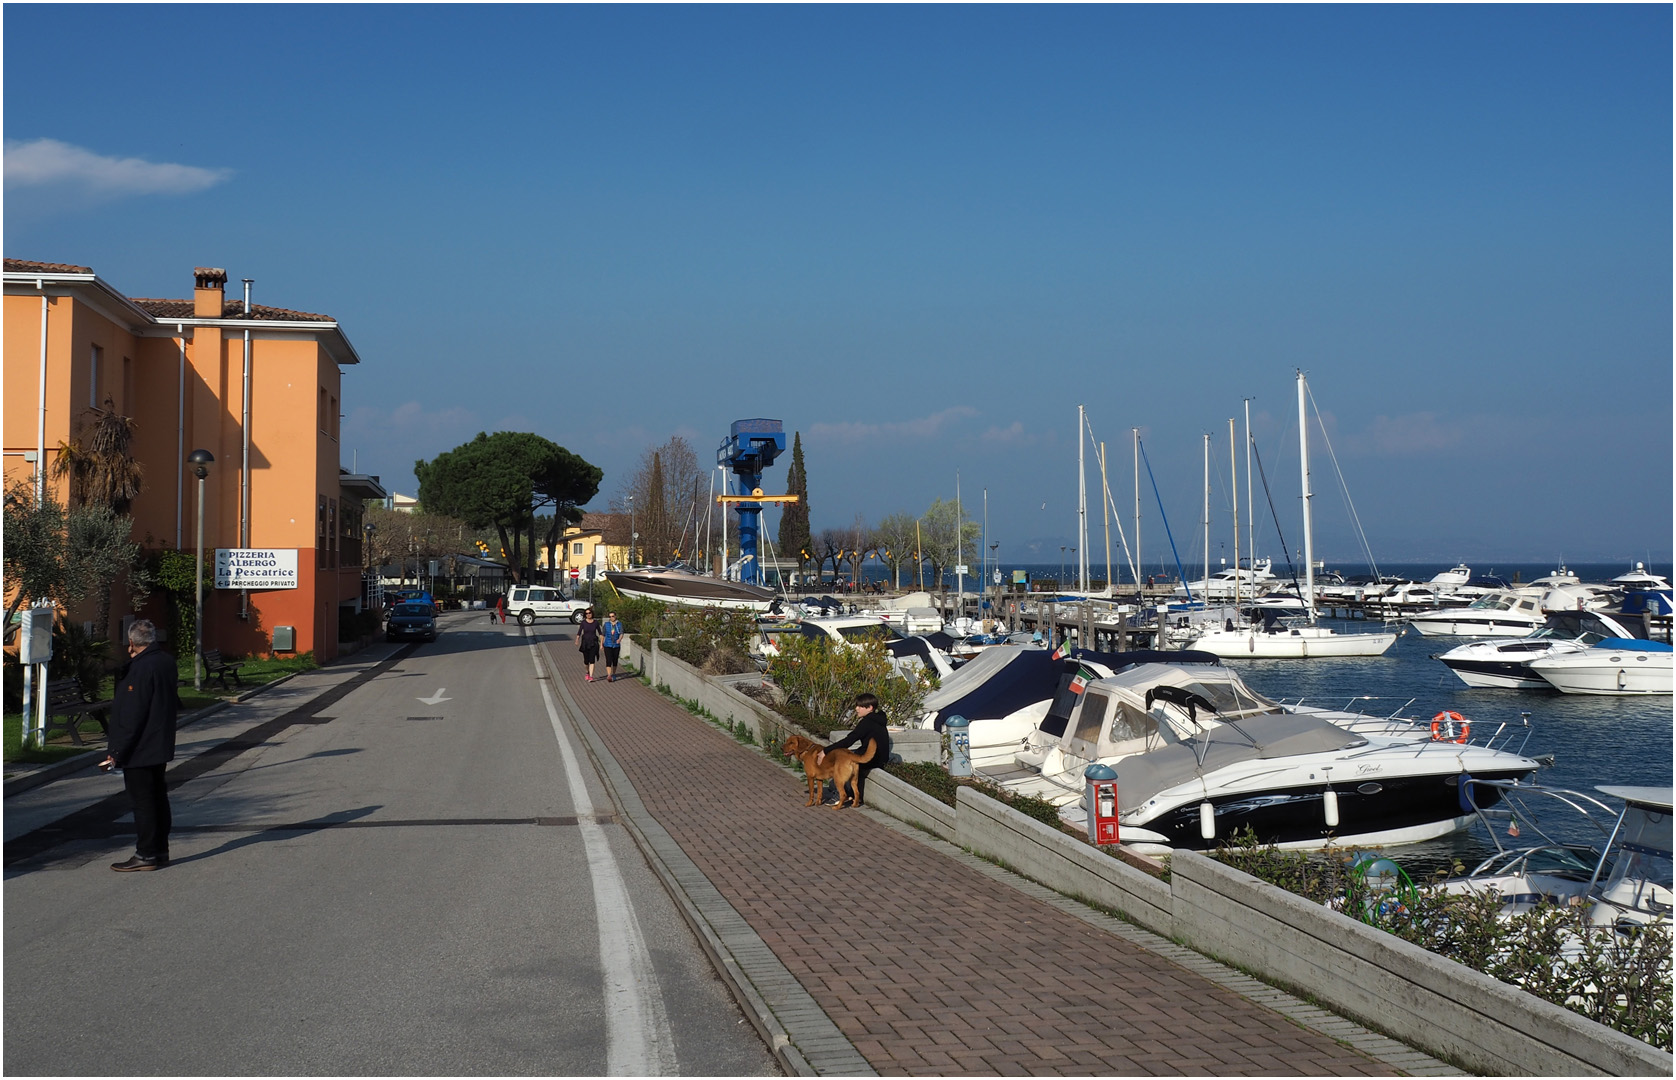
x=927, y=965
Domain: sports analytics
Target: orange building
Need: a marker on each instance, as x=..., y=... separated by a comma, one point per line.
x=259, y=387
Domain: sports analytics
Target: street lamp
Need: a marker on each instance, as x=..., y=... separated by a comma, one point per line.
x=1061, y=582
x=200, y=461
x=633, y=536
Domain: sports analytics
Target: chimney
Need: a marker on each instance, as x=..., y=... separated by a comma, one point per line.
x=207, y=300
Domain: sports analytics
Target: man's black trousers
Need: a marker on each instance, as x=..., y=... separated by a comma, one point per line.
x=149, y=793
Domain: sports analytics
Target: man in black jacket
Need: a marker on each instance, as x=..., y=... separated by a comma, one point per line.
x=142, y=742
x=869, y=724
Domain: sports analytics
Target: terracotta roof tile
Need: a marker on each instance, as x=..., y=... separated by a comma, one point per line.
x=230, y=309
x=26, y=266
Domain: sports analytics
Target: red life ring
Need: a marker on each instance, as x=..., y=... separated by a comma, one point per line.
x=1450, y=726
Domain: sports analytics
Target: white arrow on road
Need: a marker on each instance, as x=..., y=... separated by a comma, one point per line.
x=436, y=698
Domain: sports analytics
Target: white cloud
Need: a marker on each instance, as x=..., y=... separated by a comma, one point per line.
x=1409, y=435
x=924, y=427
x=1011, y=435
x=49, y=163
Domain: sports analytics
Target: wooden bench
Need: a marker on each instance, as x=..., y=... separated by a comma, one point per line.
x=217, y=668
x=66, y=706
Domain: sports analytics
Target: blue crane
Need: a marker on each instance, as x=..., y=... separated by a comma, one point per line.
x=750, y=448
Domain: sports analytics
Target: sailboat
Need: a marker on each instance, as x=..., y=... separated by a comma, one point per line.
x=1276, y=639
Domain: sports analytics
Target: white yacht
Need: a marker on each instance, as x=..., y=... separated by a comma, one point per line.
x=1640, y=579
x=1499, y=663
x=1230, y=583
x=1199, y=756
x=1614, y=667
x=1503, y=613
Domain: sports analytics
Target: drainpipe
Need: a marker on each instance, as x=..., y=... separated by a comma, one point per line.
x=244, y=465
x=41, y=415
x=180, y=440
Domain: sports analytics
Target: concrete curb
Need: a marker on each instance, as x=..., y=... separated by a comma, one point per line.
x=58, y=770
x=782, y=1011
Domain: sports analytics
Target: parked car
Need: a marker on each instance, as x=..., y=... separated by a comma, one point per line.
x=527, y=603
x=411, y=619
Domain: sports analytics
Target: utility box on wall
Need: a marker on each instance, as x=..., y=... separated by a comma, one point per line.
x=285, y=639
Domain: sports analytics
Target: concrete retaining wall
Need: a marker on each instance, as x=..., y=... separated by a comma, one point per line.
x=905, y=802
x=1419, y=997
x=722, y=701
x=994, y=830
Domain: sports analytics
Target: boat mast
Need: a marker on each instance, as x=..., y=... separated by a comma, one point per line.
x=1309, y=536
x=1234, y=474
x=1207, y=520
x=1250, y=507
x=1106, y=517
x=959, y=552
x=1135, y=434
x=1082, y=503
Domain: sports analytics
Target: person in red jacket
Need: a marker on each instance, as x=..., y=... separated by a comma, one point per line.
x=142, y=742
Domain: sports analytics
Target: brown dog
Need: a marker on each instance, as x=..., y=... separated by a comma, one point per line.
x=841, y=767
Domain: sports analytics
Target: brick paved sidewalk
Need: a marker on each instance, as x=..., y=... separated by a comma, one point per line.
x=927, y=965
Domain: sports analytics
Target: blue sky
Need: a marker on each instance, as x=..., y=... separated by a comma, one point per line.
x=923, y=235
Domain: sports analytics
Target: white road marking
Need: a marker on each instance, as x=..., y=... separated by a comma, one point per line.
x=638, y=1039
x=436, y=698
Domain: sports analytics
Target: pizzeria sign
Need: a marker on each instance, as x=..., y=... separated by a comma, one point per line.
x=256, y=568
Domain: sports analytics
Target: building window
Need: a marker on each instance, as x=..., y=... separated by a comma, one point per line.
x=320, y=534
x=576, y=549
x=322, y=411
x=334, y=418
x=93, y=377
x=332, y=532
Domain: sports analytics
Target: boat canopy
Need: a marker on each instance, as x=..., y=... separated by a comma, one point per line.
x=1263, y=737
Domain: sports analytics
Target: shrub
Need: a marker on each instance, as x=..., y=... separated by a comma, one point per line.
x=715, y=640
x=936, y=782
x=1618, y=979
x=821, y=679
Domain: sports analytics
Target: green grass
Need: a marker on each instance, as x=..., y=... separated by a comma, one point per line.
x=253, y=673
x=61, y=747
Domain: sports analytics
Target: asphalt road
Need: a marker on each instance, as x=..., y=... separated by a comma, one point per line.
x=397, y=885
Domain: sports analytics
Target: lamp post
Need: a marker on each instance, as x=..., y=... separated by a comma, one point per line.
x=200, y=461
x=1061, y=582
x=633, y=536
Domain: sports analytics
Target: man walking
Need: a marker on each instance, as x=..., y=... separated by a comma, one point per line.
x=142, y=742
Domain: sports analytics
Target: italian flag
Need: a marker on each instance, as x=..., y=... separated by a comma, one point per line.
x=1063, y=651
x=1083, y=675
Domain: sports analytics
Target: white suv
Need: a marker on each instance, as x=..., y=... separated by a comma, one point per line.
x=527, y=603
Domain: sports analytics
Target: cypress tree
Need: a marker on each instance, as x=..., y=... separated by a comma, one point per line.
x=794, y=519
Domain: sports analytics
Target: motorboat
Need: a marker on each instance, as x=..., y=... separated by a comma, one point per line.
x=1005, y=693
x=1613, y=667
x=1502, y=613
x=1641, y=580
x=1200, y=757
x=1149, y=708
x=1499, y=663
x=679, y=583
x=1623, y=873
x=1230, y=583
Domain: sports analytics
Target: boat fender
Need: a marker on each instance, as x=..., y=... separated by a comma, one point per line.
x=1329, y=803
x=1450, y=726
x=1207, y=820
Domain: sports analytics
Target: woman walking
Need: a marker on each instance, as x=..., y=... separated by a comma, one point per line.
x=587, y=641
x=611, y=636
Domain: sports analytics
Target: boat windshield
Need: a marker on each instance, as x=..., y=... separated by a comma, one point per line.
x=1233, y=699
x=869, y=632
x=1493, y=602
